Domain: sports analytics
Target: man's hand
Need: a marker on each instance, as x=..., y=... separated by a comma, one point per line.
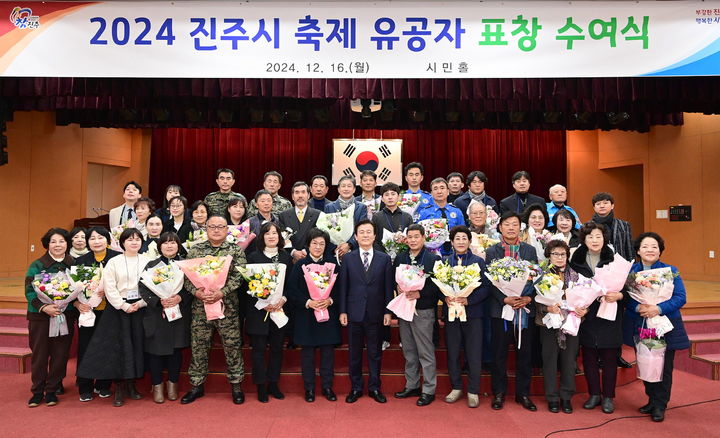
x=343, y=319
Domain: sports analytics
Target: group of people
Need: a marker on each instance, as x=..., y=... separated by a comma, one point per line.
x=131, y=334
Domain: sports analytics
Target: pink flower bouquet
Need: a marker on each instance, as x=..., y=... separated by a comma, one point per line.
x=408, y=278
x=409, y=203
x=436, y=233
x=653, y=287
x=240, y=235
x=650, y=355
x=611, y=278
x=578, y=294
x=209, y=273
x=320, y=280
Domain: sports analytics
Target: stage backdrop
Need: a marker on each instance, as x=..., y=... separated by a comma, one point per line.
x=190, y=157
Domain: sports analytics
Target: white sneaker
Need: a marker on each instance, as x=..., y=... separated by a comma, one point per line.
x=473, y=400
x=454, y=396
x=385, y=345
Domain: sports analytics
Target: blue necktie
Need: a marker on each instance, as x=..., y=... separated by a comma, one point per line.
x=366, y=260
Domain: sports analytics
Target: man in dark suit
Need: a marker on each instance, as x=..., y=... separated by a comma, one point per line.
x=300, y=219
x=503, y=332
x=366, y=287
x=346, y=190
x=521, y=199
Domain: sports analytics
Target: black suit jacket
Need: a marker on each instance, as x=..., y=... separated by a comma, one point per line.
x=511, y=203
x=495, y=252
x=288, y=219
x=365, y=292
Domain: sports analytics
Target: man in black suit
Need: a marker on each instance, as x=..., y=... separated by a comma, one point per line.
x=300, y=219
x=521, y=199
x=366, y=287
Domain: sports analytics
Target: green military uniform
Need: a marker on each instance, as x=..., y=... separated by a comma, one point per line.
x=218, y=202
x=201, y=330
x=279, y=204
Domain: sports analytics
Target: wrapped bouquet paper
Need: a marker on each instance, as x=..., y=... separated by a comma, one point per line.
x=409, y=203
x=612, y=278
x=320, y=280
x=115, y=233
x=408, y=277
x=393, y=243
x=210, y=273
x=578, y=294
x=266, y=282
x=550, y=292
x=436, y=233
x=165, y=281
x=480, y=243
x=240, y=235
x=492, y=221
x=197, y=236
x=456, y=282
x=338, y=225
x=55, y=289
x=650, y=355
x=653, y=287
x=88, y=280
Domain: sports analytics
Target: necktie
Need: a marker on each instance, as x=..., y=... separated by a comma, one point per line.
x=442, y=213
x=300, y=215
x=129, y=215
x=366, y=260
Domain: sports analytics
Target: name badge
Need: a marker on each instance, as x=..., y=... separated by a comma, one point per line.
x=133, y=294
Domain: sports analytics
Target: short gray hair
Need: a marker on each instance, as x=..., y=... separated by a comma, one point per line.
x=557, y=186
x=472, y=203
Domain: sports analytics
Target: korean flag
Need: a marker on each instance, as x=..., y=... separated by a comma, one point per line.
x=352, y=157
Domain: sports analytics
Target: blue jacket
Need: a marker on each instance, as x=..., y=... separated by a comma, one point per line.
x=677, y=338
x=365, y=294
x=552, y=209
x=475, y=307
x=463, y=202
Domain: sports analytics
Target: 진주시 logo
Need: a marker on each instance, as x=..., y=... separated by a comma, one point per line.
x=23, y=18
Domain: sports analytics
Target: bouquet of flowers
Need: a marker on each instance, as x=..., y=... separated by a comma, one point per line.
x=650, y=355
x=197, y=236
x=373, y=206
x=612, y=277
x=165, y=281
x=492, y=220
x=152, y=250
x=550, y=292
x=287, y=234
x=210, y=273
x=266, y=282
x=338, y=225
x=480, y=243
x=436, y=233
x=409, y=203
x=240, y=235
x=115, y=233
x=578, y=294
x=653, y=287
x=88, y=280
x=393, y=243
x=320, y=280
x=456, y=282
x=55, y=289
x=408, y=278
x=509, y=276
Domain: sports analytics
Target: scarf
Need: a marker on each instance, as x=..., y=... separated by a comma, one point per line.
x=607, y=221
x=345, y=204
x=511, y=250
x=75, y=253
x=477, y=198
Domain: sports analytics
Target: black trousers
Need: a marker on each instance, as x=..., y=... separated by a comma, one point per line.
x=171, y=362
x=263, y=373
x=471, y=332
x=592, y=370
x=49, y=355
x=358, y=333
x=501, y=339
x=659, y=392
x=327, y=366
x=551, y=352
x=86, y=386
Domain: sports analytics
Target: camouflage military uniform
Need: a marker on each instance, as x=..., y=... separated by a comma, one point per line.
x=218, y=202
x=201, y=330
x=279, y=204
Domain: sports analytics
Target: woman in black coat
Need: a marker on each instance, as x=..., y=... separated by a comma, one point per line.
x=309, y=333
x=98, y=239
x=164, y=340
x=600, y=338
x=258, y=324
x=179, y=223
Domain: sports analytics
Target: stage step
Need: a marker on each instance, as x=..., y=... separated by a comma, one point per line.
x=713, y=360
x=13, y=318
x=702, y=323
x=15, y=360
x=13, y=337
x=704, y=343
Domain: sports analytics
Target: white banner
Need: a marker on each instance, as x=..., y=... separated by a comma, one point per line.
x=359, y=39
x=352, y=156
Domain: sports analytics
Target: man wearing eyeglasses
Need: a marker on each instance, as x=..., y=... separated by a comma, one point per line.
x=201, y=330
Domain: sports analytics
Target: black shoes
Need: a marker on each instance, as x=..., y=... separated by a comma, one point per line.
x=329, y=394
x=657, y=415
x=51, y=399
x=646, y=409
x=238, y=396
x=274, y=390
x=566, y=406
x=407, y=393
x=195, y=393
x=498, y=402
x=526, y=402
x=425, y=399
x=309, y=395
x=592, y=402
x=607, y=405
x=60, y=389
x=353, y=396
x=554, y=407
x=120, y=389
x=103, y=393
x=262, y=393
x=622, y=363
x=377, y=396
x=132, y=391
x=35, y=400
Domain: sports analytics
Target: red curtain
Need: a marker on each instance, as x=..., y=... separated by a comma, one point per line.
x=190, y=157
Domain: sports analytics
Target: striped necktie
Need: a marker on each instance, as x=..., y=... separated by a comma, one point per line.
x=366, y=260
